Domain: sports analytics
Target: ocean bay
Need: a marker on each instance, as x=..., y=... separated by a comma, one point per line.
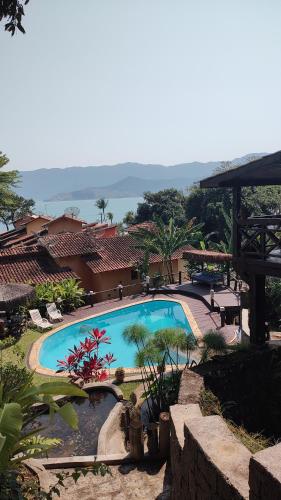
x=88, y=210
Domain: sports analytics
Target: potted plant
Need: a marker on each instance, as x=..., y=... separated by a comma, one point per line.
x=119, y=375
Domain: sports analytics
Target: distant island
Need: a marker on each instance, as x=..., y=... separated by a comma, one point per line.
x=111, y=181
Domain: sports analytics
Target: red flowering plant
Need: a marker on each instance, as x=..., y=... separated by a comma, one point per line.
x=84, y=362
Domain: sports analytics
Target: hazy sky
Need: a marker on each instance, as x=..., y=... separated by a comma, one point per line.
x=154, y=81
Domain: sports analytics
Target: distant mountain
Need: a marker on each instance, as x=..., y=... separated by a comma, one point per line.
x=126, y=188
x=44, y=184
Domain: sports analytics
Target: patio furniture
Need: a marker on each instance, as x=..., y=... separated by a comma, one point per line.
x=38, y=321
x=53, y=312
x=208, y=278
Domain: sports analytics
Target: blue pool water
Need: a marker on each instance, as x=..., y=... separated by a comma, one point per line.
x=154, y=315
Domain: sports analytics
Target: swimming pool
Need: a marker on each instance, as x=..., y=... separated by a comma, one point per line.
x=154, y=315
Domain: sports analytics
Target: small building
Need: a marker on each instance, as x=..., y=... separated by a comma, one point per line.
x=64, y=224
x=101, y=263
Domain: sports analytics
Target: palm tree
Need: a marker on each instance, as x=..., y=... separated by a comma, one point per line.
x=164, y=240
x=110, y=216
x=129, y=218
x=101, y=204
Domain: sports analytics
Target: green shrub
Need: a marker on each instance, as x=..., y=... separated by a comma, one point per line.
x=67, y=293
x=13, y=377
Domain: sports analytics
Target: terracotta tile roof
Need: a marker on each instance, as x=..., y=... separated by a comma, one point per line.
x=206, y=255
x=148, y=225
x=64, y=217
x=119, y=252
x=30, y=265
x=69, y=244
x=100, y=254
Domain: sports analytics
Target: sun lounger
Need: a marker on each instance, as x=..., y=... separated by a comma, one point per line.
x=53, y=312
x=38, y=321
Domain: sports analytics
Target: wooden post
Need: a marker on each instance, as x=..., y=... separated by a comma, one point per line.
x=222, y=315
x=227, y=274
x=152, y=439
x=257, y=309
x=212, y=298
x=180, y=278
x=136, y=440
x=236, y=207
x=164, y=434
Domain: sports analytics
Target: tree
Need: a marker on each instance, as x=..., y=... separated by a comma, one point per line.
x=8, y=179
x=129, y=218
x=101, y=204
x=12, y=10
x=110, y=217
x=164, y=240
x=212, y=206
x=12, y=207
x=164, y=204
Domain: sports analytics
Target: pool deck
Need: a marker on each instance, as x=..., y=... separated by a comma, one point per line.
x=224, y=296
x=206, y=320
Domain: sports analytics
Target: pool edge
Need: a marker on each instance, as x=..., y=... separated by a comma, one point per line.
x=33, y=357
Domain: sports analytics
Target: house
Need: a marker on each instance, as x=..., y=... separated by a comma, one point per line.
x=26, y=228
x=36, y=223
x=101, y=263
x=64, y=224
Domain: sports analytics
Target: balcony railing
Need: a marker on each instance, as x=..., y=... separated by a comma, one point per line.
x=260, y=238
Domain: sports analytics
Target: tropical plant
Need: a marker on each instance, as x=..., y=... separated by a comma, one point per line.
x=101, y=204
x=110, y=217
x=129, y=218
x=67, y=292
x=165, y=240
x=213, y=343
x=142, y=266
x=16, y=405
x=154, y=352
x=84, y=362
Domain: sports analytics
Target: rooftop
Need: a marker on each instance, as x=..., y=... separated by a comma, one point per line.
x=69, y=244
x=265, y=171
x=206, y=255
x=30, y=265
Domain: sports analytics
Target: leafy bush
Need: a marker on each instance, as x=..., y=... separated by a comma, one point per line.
x=11, y=376
x=84, y=362
x=67, y=293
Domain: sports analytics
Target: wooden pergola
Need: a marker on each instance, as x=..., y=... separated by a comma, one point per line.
x=257, y=239
x=210, y=256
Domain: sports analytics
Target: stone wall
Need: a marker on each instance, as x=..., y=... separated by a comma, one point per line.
x=265, y=474
x=209, y=463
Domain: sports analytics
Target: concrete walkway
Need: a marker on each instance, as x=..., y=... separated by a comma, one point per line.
x=142, y=481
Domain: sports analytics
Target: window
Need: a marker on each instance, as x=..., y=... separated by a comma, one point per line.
x=134, y=275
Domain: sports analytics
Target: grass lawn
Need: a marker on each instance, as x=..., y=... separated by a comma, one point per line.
x=18, y=353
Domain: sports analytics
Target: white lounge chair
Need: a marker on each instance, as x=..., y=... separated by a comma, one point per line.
x=53, y=312
x=38, y=321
